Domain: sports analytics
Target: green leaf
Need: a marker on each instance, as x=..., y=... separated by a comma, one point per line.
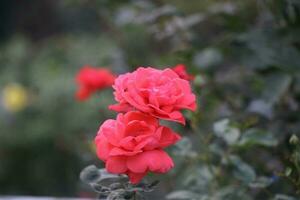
x=288, y=171
x=90, y=174
x=257, y=137
x=226, y=131
x=294, y=140
x=185, y=148
x=268, y=49
x=261, y=182
x=183, y=194
x=260, y=106
x=242, y=170
x=230, y=193
x=283, y=197
x=276, y=86
x=208, y=58
x=199, y=177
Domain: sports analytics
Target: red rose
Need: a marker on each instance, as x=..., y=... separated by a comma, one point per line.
x=160, y=93
x=91, y=79
x=180, y=69
x=133, y=143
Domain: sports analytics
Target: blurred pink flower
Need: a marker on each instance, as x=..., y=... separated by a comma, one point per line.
x=91, y=79
x=180, y=69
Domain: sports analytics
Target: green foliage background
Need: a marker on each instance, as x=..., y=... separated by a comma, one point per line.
x=246, y=59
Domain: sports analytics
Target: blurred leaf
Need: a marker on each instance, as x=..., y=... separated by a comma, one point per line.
x=276, y=86
x=225, y=130
x=230, y=193
x=261, y=182
x=294, y=140
x=262, y=107
x=208, y=58
x=285, y=11
x=184, y=148
x=283, y=197
x=288, y=171
x=199, y=178
x=17, y=49
x=242, y=170
x=227, y=7
x=257, y=137
x=267, y=49
x=183, y=194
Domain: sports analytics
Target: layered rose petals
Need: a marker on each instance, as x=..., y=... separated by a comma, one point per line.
x=90, y=79
x=160, y=93
x=133, y=144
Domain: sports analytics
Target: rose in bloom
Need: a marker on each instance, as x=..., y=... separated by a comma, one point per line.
x=180, y=69
x=133, y=144
x=160, y=93
x=90, y=79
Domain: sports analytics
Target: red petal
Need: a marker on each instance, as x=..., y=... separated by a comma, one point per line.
x=116, y=164
x=154, y=161
x=102, y=147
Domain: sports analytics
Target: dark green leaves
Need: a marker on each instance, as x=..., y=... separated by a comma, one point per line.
x=257, y=137
x=242, y=170
x=113, y=186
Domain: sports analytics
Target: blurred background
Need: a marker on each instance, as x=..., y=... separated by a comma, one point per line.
x=246, y=59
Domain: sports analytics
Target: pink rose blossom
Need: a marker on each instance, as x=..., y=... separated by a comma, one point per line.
x=133, y=144
x=160, y=93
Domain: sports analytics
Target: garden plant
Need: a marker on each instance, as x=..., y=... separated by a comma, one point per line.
x=125, y=99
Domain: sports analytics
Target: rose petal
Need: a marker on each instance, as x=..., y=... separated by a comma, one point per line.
x=120, y=152
x=116, y=164
x=103, y=147
x=130, y=116
x=155, y=161
x=167, y=137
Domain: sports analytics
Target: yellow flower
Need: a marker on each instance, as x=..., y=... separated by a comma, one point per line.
x=15, y=97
